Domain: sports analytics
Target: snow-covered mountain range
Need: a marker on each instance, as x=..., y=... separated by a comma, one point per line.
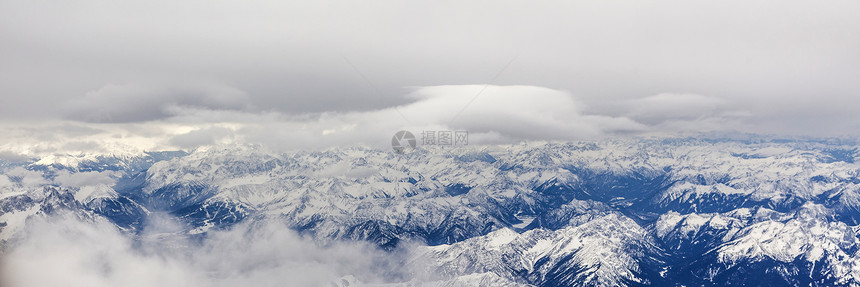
x=653, y=212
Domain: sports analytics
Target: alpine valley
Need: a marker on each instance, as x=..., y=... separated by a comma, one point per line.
x=699, y=211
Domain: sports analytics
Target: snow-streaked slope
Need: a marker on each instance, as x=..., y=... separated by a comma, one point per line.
x=611, y=212
x=606, y=251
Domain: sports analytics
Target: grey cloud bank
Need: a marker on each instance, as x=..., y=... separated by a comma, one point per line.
x=138, y=103
x=498, y=114
x=159, y=74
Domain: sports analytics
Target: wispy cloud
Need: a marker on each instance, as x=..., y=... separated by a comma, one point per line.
x=70, y=252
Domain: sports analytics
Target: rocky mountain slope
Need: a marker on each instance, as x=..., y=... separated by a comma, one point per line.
x=682, y=211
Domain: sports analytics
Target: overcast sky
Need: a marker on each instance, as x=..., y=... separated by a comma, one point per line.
x=159, y=74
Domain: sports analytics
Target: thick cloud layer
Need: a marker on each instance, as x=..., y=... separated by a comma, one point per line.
x=97, y=76
x=489, y=113
x=791, y=64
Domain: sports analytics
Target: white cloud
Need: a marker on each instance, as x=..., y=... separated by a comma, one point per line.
x=88, y=178
x=5, y=183
x=200, y=137
x=57, y=139
x=516, y=111
x=12, y=156
x=26, y=178
x=68, y=252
